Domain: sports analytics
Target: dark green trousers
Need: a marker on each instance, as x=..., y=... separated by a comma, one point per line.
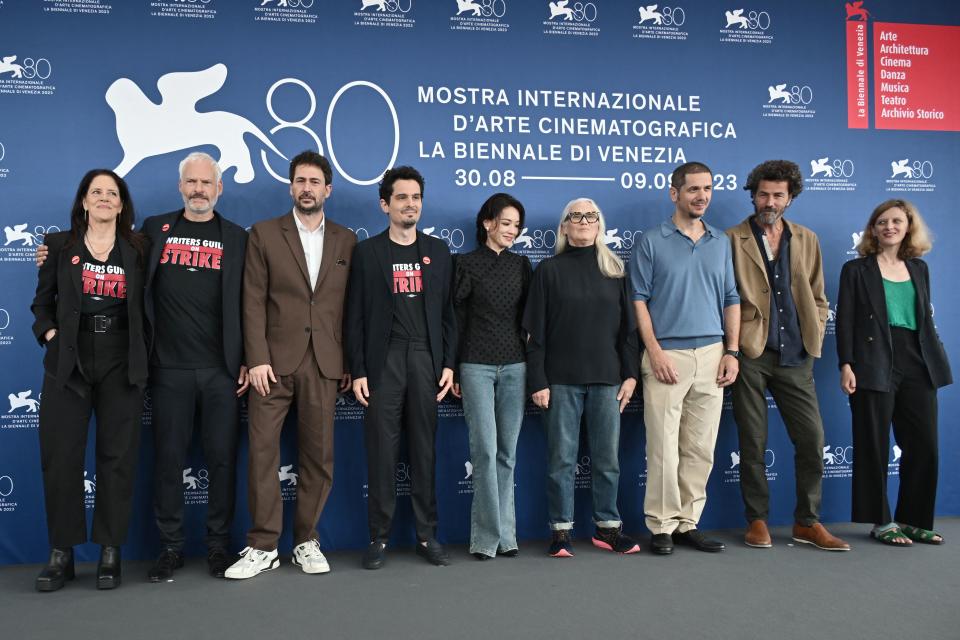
x=795, y=394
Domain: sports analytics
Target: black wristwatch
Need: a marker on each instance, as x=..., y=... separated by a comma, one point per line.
x=731, y=352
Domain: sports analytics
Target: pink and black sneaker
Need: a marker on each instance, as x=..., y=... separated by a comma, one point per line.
x=613, y=539
x=561, y=546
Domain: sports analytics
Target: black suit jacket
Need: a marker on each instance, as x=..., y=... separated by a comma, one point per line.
x=370, y=305
x=863, y=330
x=234, y=239
x=56, y=305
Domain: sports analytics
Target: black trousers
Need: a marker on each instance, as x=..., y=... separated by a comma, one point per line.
x=796, y=396
x=911, y=405
x=179, y=396
x=404, y=399
x=104, y=389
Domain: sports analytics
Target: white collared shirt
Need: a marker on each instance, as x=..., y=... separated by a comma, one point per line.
x=312, y=242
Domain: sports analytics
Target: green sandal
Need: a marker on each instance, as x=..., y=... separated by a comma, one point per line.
x=890, y=537
x=921, y=535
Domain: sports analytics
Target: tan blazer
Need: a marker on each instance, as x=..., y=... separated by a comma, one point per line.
x=282, y=316
x=806, y=278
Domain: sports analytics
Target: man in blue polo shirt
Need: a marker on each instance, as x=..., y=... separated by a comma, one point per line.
x=688, y=314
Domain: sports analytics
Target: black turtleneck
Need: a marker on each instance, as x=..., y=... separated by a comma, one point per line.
x=581, y=324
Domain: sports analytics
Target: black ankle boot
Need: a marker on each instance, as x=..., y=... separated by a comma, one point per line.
x=59, y=569
x=108, y=569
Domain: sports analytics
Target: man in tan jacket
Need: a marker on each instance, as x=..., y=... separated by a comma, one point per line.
x=783, y=314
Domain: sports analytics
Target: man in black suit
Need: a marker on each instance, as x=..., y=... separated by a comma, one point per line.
x=401, y=346
x=192, y=302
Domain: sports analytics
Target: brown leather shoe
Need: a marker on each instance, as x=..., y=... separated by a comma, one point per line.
x=817, y=535
x=758, y=535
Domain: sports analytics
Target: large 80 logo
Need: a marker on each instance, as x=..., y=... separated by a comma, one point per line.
x=29, y=69
x=838, y=168
x=578, y=12
x=795, y=94
x=918, y=169
x=666, y=16
x=754, y=20
x=302, y=126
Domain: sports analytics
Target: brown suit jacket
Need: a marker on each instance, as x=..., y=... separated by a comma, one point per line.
x=806, y=278
x=282, y=316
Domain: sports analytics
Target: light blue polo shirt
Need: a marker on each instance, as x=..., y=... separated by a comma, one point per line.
x=686, y=285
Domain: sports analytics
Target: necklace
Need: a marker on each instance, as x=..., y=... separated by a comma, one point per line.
x=98, y=255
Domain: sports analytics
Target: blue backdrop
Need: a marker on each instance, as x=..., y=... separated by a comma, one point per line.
x=547, y=100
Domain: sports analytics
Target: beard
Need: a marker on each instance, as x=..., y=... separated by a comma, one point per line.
x=199, y=210
x=317, y=207
x=768, y=216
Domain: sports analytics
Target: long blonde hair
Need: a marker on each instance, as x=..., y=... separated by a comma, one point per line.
x=610, y=265
x=916, y=242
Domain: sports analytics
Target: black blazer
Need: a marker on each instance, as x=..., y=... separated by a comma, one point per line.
x=370, y=305
x=234, y=239
x=863, y=330
x=57, y=306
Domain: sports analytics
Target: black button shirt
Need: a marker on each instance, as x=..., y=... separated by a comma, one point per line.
x=489, y=292
x=783, y=335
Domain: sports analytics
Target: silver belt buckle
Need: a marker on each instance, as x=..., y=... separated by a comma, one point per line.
x=101, y=324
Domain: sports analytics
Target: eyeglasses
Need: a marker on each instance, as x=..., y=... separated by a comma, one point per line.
x=589, y=216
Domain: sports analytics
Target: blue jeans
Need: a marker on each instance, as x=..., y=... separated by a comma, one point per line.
x=598, y=404
x=493, y=401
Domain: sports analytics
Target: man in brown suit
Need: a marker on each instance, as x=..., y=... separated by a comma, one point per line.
x=295, y=281
x=783, y=315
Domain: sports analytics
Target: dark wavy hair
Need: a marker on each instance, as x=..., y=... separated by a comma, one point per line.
x=125, y=221
x=398, y=173
x=775, y=171
x=313, y=159
x=491, y=209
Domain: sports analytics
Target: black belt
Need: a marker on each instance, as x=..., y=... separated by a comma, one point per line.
x=103, y=324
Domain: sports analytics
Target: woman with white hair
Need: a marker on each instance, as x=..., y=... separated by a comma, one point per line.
x=582, y=363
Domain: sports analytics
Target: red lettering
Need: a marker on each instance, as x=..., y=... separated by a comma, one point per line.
x=203, y=260
x=89, y=284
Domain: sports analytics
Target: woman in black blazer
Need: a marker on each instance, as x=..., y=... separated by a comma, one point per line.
x=891, y=364
x=89, y=316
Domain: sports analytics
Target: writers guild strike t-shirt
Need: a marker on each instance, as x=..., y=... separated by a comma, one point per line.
x=409, y=316
x=187, y=298
x=104, y=290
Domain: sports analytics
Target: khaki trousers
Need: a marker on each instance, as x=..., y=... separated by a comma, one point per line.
x=315, y=397
x=682, y=421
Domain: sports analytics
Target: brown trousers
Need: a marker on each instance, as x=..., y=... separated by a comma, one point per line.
x=315, y=397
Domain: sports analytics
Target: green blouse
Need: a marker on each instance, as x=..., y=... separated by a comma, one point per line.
x=901, y=303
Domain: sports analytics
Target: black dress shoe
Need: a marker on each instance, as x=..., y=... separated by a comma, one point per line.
x=661, y=544
x=162, y=570
x=509, y=553
x=218, y=561
x=694, y=538
x=59, y=569
x=375, y=554
x=481, y=556
x=433, y=552
x=108, y=569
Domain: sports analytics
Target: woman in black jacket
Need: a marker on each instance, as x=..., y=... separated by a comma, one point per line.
x=891, y=364
x=89, y=316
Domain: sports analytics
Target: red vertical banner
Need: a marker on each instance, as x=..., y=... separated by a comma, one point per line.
x=857, y=77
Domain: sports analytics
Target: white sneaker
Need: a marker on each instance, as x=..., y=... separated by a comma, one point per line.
x=308, y=557
x=251, y=563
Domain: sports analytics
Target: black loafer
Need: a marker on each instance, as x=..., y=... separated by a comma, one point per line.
x=433, y=552
x=661, y=544
x=509, y=553
x=374, y=556
x=108, y=569
x=167, y=562
x=59, y=569
x=694, y=538
x=218, y=561
x=481, y=556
